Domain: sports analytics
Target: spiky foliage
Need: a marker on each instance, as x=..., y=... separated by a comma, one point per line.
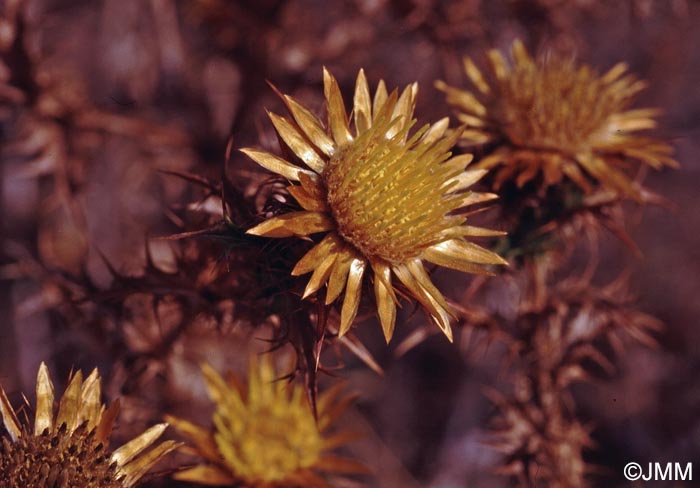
x=560, y=333
x=265, y=434
x=543, y=444
x=562, y=217
x=385, y=201
x=556, y=118
x=70, y=446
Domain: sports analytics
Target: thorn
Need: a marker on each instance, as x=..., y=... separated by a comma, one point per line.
x=192, y=178
x=229, y=149
x=149, y=256
x=112, y=270
x=276, y=90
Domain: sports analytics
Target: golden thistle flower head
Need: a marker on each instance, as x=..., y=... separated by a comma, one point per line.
x=265, y=435
x=70, y=447
x=385, y=197
x=553, y=117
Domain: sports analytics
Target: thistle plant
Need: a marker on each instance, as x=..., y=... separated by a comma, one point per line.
x=70, y=446
x=265, y=434
x=555, y=118
x=353, y=215
x=385, y=199
x=562, y=141
x=560, y=330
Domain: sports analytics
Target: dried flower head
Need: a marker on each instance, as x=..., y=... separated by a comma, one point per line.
x=385, y=200
x=265, y=435
x=70, y=448
x=555, y=117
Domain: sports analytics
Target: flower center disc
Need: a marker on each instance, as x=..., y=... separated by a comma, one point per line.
x=58, y=459
x=556, y=106
x=366, y=213
x=270, y=444
x=387, y=195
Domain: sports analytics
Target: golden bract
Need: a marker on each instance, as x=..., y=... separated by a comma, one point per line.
x=385, y=198
x=557, y=118
x=70, y=447
x=265, y=435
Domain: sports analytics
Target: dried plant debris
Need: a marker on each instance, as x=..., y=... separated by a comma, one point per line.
x=54, y=134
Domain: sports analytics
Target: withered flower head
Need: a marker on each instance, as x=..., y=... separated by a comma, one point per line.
x=385, y=199
x=558, y=118
x=71, y=447
x=265, y=435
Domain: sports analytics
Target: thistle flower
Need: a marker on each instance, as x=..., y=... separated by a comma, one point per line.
x=70, y=448
x=266, y=435
x=560, y=119
x=385, y=201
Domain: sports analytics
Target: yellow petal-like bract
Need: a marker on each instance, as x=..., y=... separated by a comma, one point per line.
x=69, y=447
x=265, y=435
x=555, y=118
x=385, y=195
